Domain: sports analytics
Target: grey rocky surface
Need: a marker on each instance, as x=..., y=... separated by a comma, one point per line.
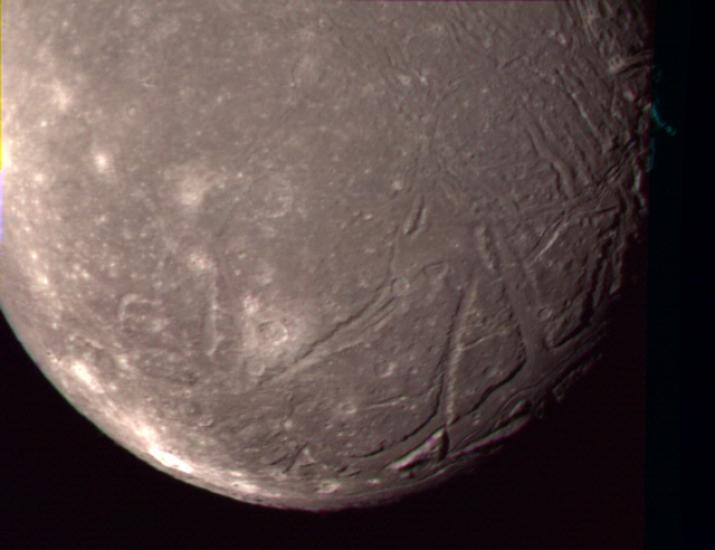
x=316, y=254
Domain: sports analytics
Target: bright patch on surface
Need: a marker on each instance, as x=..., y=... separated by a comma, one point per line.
x=101, y=162
x=190, y=197
x=61, y=97
x=199, y=262
x=146, y=433
x=41, y=280
x=170, y=460
x=154, y=446
x=122, y=361
x=329, y=487
x=245, y=487
x=84, y=375
x=251, y=305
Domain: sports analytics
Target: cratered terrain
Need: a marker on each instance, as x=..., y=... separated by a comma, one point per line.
x=313, y=254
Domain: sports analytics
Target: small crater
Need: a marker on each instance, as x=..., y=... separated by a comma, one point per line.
x=190, y=183
x=405, y=80
x=347, y=408
x=273, y=332
x=255, y=368
x=195, y=415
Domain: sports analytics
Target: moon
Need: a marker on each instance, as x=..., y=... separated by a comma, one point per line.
x=319, y=255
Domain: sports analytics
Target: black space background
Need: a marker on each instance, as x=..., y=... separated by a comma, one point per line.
x=588, y=476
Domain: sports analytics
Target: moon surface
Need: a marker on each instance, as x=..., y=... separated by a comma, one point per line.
x=313, y=254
